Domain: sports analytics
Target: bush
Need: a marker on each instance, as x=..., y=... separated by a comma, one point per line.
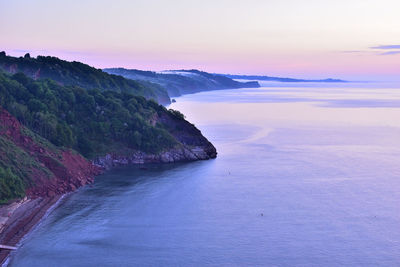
x=11, y=186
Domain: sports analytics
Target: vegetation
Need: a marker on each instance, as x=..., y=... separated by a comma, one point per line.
x=11, y=186
x=72, y=105
x=92, y=122
x=79, y=74
x=177, y=114
x=15, y=167
x=183, y=81
x=89, y=121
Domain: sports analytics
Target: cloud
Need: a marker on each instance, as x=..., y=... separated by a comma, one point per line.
x=386, y=47
x=386, y=50
x=390, y=53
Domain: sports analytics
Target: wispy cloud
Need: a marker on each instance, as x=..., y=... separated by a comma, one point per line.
x=390, y=53
x=386, y=47
x=355, y=52
x=386, y=50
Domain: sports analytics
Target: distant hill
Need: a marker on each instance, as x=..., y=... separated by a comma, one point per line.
x=179, y=82
x=79, y=74
x=278, y=79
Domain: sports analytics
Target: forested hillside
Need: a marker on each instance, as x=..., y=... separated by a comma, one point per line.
x=79, y=74
x=183, y=81
x=60, y=122
x=89, y=121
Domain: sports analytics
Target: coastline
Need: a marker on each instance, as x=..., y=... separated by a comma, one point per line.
x=22, y=220
x=30, y=211
x=61, y=171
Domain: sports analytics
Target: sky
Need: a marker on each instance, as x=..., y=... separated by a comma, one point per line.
x=348, y=39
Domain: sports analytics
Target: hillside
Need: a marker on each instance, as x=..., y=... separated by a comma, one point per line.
x=59, y=129
x=32, y=166
x=182, y=81
x=108, y=127
x=79, y=74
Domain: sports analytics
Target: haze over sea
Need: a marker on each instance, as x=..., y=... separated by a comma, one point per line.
x=306, y=175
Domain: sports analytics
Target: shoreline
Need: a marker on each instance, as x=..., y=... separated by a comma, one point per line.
x=19, y=218
x=24, y=219
x=48, y=211
x=31, y=211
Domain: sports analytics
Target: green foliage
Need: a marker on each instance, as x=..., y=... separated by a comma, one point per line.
x=89, y=121
x=78, y=74
x=11, y=186
x=17, y=166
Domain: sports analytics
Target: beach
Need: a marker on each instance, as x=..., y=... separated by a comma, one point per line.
x=18, y=218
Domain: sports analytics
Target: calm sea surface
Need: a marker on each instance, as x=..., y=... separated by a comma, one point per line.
x=305, y=176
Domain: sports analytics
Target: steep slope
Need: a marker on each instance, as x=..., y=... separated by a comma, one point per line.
x=33, y=167
x=183, y=81
x=79, y=74
x=30, y=166
x=96, y=123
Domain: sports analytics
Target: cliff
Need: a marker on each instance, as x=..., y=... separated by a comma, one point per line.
x=192, y=145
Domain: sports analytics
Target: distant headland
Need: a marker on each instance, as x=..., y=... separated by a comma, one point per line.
x=279, y=79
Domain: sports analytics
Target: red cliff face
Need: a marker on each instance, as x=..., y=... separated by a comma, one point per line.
x=53, y=170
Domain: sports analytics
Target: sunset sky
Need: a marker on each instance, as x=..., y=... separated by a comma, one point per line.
x=350, y=39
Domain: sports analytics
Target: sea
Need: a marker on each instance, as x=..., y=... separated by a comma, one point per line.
x=307, y=174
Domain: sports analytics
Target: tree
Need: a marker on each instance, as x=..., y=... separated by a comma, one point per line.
x=36, y=105
x=21, y=78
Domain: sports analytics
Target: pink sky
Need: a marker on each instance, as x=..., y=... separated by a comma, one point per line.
x=356, y=39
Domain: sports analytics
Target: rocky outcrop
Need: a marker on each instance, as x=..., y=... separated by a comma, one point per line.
x=138, y=157
x=192, y=146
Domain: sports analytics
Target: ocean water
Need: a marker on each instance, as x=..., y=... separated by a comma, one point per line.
x=305, y=176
